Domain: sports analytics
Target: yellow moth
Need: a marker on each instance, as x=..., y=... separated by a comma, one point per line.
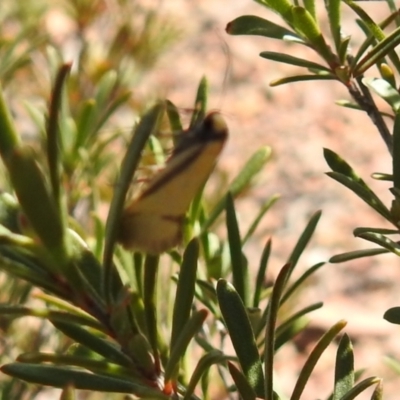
x=153, y=221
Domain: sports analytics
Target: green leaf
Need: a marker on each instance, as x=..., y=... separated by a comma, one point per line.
x=309, y=5
x=241, y=334
x=361, y=387
x=147, y=125
x=200, y=104
x=396, y=151
x=271, y=320
x=291, y=60
x=240, y=271
x=9, y=139
x=150, y=301
x=22, y=269
x=344, y=368
x=62, y=376
x=382, y=241
x=263, y=210
x=305, y=22
x=190, y=329
x=242, y=385
x=344, y=174
x=378, y=392
x=252, y=167
x=385, y=91
x=392, y=315
x=333, y=8
x=303, y=241
x=173, y=117
x=384, y=48
x=212, y=357
x=296, y=323
x=313, y=358
x=53, y=138
x=253, y=25
x=93, y=342
x=353, y=255
x=185, y=291
x=303, y=78
x=298, y=282
x=52, y=315
x=262, y=269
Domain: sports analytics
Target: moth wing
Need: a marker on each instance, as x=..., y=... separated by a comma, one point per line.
x=150, y=233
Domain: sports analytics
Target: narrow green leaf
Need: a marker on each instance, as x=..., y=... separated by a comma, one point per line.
x=240, y=272
x=283, y=8
x=361, y=387
x=200, y=104
x=85, y=124
x=392, y=315
x=396, y=150
x=37, y=203
x=303, y=241
x=295, y=285
x=393, y=363
x=385, y=91
x=34, y=276
x=105, y=87
x=344, y=368
x=190, y=329
x=378, y=392
x=382, y=176
x=150, y=301
x=364, y=193
x=22, y=311
x=333, y=8
x=375, y=30
x=241, y=334
x=289, y=332
x=303, y=78
x=309, y=5
x=9, y=138
x=293, y=319
x=252, y=167
x=384, y=48
x=272, y=315
x=105, y=115
x=53, y=136
x=173, y=117
x=382, y=241
x=305, y=22
x=343, y=49
x=146, y=127
x=93, y=365
x=353, y=255
x=313, y=358
x=291, y=60
x=253, y=25
x=100, y=346
x=212, y=357
x=62, y=376
x=262, y=269
x=185, y=290
x=242, y=385
x=263, y=210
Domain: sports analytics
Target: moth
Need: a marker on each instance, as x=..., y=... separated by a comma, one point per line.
x=153, y=221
